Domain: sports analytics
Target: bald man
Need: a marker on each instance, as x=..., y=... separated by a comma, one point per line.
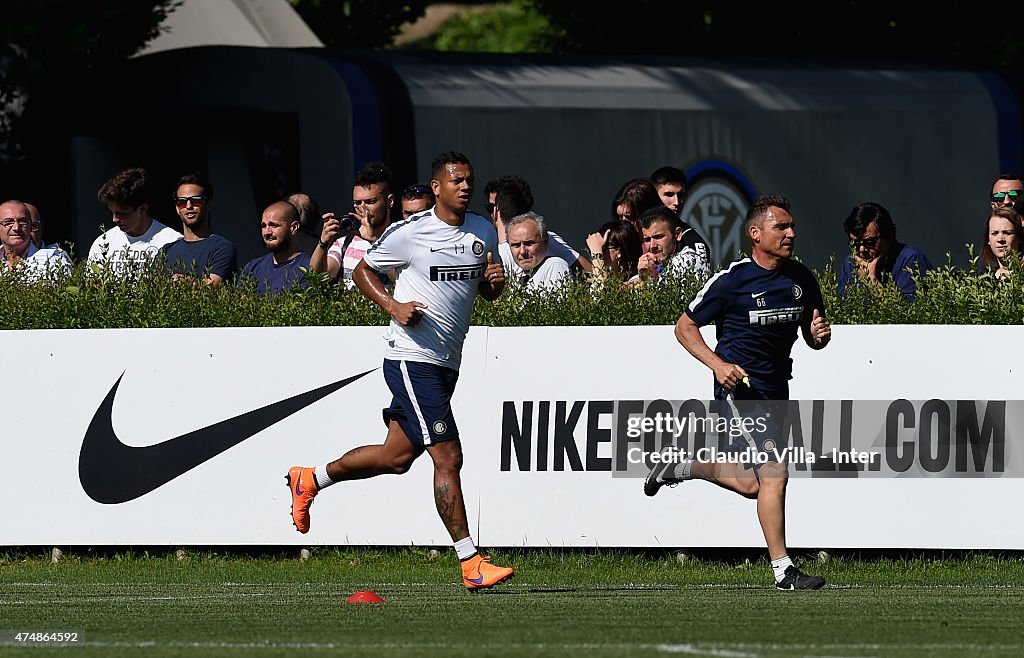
x=279, y=270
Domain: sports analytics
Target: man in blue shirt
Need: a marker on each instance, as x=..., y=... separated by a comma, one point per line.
x=758, y=304
x=283, y=268
x=202, y=253
x=878, y=257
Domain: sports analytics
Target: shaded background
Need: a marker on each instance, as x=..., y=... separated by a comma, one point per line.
x=76, y=73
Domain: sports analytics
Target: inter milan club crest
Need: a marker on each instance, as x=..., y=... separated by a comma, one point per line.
x=798, y=292
x=478, y=248
x=440, y=427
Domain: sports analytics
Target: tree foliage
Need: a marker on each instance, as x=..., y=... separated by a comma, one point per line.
x=945, y=32
x=46, y=45
x=366, y=24
x=515, y=27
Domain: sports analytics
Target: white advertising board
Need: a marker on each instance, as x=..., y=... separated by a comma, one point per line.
x=183, y=437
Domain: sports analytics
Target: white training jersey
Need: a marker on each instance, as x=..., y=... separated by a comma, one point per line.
x=121, y=250
x=441, y=266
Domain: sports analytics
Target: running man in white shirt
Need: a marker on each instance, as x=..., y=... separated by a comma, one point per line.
x=444, y=257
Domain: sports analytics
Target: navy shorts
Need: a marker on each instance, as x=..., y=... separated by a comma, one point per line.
x=422, y=400
x=760, y=413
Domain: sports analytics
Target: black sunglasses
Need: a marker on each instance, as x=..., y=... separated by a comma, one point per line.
x=997, y=197
x=867, y=243
x=182, y=201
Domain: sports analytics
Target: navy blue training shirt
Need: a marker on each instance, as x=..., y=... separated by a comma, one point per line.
x=758, y=314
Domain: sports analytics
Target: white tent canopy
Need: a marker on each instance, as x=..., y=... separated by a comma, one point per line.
x=261, y=23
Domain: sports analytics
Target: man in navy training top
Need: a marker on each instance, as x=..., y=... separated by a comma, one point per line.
x=757, y=303
x=445, y=256
x=283, y=268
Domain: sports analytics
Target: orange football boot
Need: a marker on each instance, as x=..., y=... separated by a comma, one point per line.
x=479, y=573
x=302, y=484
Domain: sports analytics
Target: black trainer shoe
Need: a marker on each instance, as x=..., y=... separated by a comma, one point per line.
x=796, y=579
x=660, y=476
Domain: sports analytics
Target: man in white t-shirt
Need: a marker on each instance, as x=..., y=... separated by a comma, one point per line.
x=528, y=241
x=345, y=239
x=136, y=237
x=446, y=257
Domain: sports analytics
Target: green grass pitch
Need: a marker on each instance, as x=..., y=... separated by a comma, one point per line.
x=594, y=603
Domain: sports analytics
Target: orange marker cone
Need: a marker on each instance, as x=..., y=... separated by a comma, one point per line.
x=364, y=596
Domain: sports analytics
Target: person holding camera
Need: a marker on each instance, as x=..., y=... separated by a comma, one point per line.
x=345, y=239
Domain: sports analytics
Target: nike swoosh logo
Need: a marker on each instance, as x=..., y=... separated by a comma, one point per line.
x=476, y=581
x=755, y=295
x=111, y=472
x=432, y=250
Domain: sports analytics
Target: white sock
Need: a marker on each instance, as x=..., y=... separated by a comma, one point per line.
x=779, y=567
x=465, y=548
x=322, y=478
x=681, y=471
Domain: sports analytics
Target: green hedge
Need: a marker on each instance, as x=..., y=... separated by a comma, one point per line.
x=92, y=297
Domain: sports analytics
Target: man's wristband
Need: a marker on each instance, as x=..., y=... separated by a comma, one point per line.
x=323, y=245
x=598, y=256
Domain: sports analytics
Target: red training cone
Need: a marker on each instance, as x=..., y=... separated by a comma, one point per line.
x=364, y=596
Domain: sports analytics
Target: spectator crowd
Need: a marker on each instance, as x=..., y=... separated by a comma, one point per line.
x=644, y=240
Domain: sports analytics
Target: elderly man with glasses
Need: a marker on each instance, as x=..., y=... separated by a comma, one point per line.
x=877, y=258
x=19, y=252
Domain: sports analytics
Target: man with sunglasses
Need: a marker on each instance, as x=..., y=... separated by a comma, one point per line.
x=202, y=253
x=1006, y=190
x=136, y=237
x=878, y=257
